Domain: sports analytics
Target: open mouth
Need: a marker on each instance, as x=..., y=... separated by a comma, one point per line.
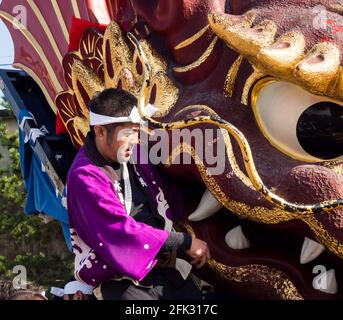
x=253, y=260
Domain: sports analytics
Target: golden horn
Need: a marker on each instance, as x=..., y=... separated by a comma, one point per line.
x=117, y=54
x=340, y=83
x=282, y=56
x=319, y=69
x=89, y=80
x=156, y=62
x=166, y=93
x=219, y=22
x=238, y=34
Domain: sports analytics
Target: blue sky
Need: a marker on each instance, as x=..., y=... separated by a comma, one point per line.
x=7, y=50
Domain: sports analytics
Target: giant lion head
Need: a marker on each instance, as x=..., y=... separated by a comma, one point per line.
x=273, y=71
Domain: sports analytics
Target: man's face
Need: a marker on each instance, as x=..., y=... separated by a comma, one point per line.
x=78, y=295
x=116, y=145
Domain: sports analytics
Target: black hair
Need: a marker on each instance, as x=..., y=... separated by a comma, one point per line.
x=113, y=103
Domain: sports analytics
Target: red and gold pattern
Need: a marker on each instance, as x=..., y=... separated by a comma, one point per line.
x=106, y=60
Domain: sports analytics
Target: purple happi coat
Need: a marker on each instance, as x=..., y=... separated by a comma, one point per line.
x=107, y=242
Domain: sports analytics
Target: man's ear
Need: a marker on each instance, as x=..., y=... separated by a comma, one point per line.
x=99, y=131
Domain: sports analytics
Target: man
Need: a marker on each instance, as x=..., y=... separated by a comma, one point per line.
x=119, y=213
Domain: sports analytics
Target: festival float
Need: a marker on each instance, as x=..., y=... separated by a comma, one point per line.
x=265, y=76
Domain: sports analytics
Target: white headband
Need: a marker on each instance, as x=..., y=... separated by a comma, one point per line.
x=74, y=286
x=134, y=117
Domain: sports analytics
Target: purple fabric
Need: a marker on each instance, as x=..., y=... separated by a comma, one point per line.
x=106, y=241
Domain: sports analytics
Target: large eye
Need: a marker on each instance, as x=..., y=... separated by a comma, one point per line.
x=300, y=124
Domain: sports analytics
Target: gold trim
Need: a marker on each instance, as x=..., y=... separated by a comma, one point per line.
x=90, y=82
x=60, y=19
x=336, y=166
x=233, y=162
x=192, y=39
x=257, y=273
x=337, y=8
x=254, y=96
x=76, y=9
x=67, y=108
x=320, y=78
x=46, y=29
x=324, y=236
x=90, y=46
x=203, y=107
x=256, y=75
x=258, y=214
x=123, y=62
x=40, y=84
x=34, y=43
x=281, y=58
x=230, y=154
x=291, y=207
x=199, y=61
x=231, y=77
x=276, y=278
x=109, y=3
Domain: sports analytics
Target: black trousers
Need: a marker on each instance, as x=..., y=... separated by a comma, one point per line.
x=163, y=288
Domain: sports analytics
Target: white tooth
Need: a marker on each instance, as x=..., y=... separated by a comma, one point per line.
x=235, y=239
x=310, y=250
x=326, y=282
x=207, y=207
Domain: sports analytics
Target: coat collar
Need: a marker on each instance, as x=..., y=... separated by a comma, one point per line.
x=94, y=155
x=109, y=168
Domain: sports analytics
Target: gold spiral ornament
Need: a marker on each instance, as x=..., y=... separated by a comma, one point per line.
x=239, y=137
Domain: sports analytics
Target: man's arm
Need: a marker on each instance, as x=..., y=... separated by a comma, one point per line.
x=178, y=241
x=183, y=242
x=129, y=247
x=193, y=247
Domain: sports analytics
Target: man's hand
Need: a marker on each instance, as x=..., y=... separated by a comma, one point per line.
x=200, y=252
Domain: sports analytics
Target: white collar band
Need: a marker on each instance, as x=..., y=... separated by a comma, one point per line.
x=134, y=117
